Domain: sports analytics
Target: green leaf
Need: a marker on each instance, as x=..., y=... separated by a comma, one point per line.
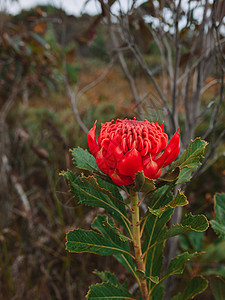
x=219, y=223
x=142, y=275
x=111, y=233
x=107, y=277
x=192, y=155
x=197, y=223
x=219, y=271
x=157, y=293
x=189, y=160
x=170, y=176
x=156, y=233
x=110, y=190
x=179, y=200
x=85, y=163
x=214, y=253
x=87, y=194
x=108, y=291
x=161, y=197
x=196, y=286
x=192, y=240
x=218, y=228
x=217, y=285
x=143, y=184
x=157, y=212
x=80, y=240
x=108, y=229
x=154, y=230
x=154, y=279
x=177, y=264
x=84, y=160
x=185, y=175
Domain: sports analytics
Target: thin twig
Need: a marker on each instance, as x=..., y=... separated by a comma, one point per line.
x=176, y=65
x=121, y=58
x=144, y=66
x=74, y=96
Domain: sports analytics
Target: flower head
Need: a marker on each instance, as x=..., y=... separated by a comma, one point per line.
x=128, y=146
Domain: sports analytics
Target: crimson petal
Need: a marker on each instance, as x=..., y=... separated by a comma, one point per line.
x=92, y=144
x=114, y=154
x=171, y=152
x=151, y=170
x=101, y=162
x=120, y=179
x=131, y=163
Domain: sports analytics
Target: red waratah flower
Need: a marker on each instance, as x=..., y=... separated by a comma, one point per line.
x=129, y=146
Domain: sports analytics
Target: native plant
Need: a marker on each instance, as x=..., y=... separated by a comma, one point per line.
x=129, y=157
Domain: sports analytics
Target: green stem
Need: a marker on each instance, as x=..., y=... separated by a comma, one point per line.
x=137, y=243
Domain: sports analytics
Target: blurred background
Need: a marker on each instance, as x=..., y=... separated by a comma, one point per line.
x=65, y=64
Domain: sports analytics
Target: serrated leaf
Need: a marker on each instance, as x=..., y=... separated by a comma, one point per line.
x=177, y=264
x=161, y=197
x=111, y=191
x=108, y=291
x=217, y=285
x=157, y=212
x=143, y=184
x=219, y=223
x=218, y=228
x=192, y=155
x=107, y=277
x=158, y=292
x=87, y=194
x=219, y=271
x=196, y=239
x=84, y=160
x=179, y=200
x=154, y=230
x=196, y=286
x=142, y=275
x=214, y=252
x=185, y=174
x=170, y=176
x=197, y=223
x=139, y=181
x=219, y=206
x=189, y=160
x=108, y=229
x=85, y=163
x=154, y=279
x=79, y=240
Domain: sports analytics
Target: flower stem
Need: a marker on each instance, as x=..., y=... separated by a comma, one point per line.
x=137, y=243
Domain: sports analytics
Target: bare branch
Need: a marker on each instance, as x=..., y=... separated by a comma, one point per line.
x=72, y=99
x=214, y=143
x=208, y=50
x=144, y=66
x=74, y=96
x=121, y=58
x=176, y=65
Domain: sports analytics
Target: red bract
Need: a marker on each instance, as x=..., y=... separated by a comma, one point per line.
x=129, y=146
